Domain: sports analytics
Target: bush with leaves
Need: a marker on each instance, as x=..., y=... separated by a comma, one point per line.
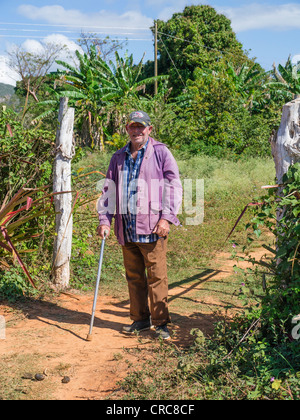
x=25, y=155
x=220, y=120
x=279, y=213
x=25, y=169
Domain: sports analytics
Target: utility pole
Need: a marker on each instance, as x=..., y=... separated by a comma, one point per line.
x=155, y=59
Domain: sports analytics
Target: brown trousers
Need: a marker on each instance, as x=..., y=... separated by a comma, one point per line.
x=150, y=288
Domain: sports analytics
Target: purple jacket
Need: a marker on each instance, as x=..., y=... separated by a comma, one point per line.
x=159, y=191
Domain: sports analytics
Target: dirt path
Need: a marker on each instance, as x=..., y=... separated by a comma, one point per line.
x=54, y=332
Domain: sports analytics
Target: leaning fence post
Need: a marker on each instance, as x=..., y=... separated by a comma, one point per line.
x=285, y=142
x=63, y=202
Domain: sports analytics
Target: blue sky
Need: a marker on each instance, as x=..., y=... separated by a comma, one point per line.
x=269, y=28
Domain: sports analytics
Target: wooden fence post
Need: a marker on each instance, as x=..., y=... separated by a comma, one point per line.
x=63, y=202
x=286, y=142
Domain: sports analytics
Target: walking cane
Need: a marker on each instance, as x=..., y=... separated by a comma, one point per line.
x=89, y=336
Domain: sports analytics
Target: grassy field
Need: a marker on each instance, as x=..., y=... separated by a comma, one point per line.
x=228, y=187
x=192, y=252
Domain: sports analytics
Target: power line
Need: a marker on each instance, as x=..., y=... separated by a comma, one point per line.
x=71, y=38
x=173, y=62
x=196, y=43
x=100, y=33
x=61, y=32
x=75, y=26
x=81, y=29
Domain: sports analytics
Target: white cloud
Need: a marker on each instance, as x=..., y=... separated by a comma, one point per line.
x=263, y=16
x=63, y=40
x=296, y=59
x=58, y=15
x=52, y=14
x=38, y=47
x=7, y=75
x=166, y=8
x=167, y=12
x=68, y=53
x=131, y=25
x=32, y=46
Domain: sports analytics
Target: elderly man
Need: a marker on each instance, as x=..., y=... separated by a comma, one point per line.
x=143, y=192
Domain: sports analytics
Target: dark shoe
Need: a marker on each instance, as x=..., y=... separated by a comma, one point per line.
x=163, y=332
x=137, y=326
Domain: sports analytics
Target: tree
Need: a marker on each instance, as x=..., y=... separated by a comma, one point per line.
x=84, y=91
x=26, y=210
x=106, y=47
x=33, y=67
x=220, y=121
x=197, y=37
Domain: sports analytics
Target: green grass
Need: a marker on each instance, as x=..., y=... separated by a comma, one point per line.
x=228, y=187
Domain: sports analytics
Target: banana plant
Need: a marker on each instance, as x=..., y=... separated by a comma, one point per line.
x=84, y=84
x=123, y=79
x=99, y=89
x=248, y=82
x=286, y=80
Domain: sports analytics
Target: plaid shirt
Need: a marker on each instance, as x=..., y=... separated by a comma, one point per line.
x=131, y=173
